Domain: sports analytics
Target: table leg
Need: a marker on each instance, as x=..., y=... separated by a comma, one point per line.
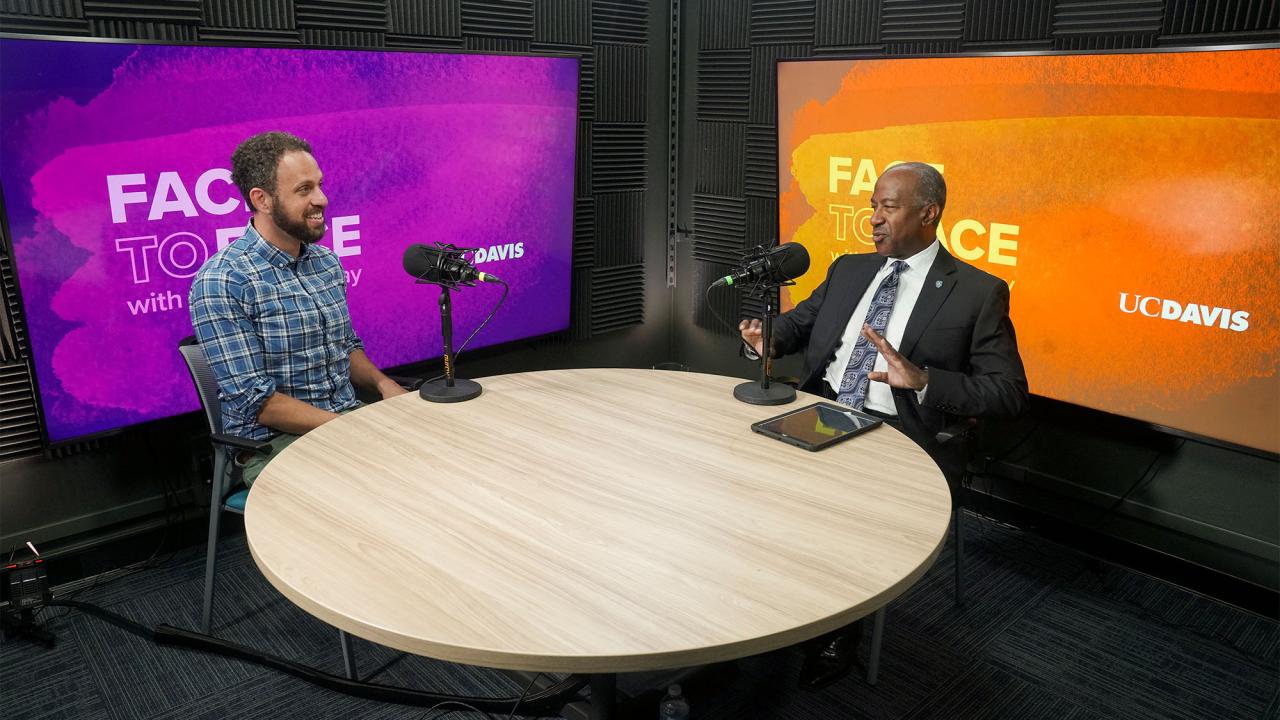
x=877, y=636
x=348, y=655
x=603, y=692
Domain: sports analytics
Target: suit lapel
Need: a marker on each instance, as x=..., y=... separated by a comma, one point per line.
x=938, y=284
x=864, y=271
x=859, y=280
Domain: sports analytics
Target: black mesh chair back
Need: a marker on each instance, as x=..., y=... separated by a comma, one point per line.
x=206, y=385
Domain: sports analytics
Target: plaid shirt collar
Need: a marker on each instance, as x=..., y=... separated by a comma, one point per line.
x=274, y=255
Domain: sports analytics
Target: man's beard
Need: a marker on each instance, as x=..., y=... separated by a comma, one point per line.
x=297, y=229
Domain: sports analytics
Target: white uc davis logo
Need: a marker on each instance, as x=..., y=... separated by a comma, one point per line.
x=1165, y=309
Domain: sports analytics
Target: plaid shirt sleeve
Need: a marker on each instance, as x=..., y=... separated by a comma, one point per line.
x=353, y=342
x=230, y=341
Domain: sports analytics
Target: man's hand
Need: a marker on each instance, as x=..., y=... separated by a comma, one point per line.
x=902, y=373
x=390, y=388
x=752, y=334
x=366, y=376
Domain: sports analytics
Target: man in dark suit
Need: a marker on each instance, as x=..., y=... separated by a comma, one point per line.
x=909, y=334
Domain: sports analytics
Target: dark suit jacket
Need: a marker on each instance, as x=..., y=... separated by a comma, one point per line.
x=960, y=330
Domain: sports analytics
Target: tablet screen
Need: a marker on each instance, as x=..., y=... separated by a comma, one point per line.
x=818, y=424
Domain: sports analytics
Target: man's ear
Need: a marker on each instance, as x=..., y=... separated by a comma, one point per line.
x=930, y=214
x=260, y=199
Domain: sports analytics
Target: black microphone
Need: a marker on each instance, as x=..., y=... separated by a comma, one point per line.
x=776, y=266
x=442, y=265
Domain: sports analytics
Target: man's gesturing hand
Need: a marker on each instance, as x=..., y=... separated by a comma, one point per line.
x=752, y=334
x=902, y=373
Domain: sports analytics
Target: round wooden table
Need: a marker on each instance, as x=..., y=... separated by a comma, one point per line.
x=593, y=521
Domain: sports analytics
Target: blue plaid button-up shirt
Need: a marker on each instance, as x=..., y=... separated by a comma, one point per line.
x=271, y=323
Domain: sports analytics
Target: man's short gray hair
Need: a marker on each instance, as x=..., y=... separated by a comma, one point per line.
x=931, y=188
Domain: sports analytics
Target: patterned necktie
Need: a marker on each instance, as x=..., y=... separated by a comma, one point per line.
x=853, y=386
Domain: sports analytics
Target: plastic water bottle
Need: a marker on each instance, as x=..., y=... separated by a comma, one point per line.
x=673, y=706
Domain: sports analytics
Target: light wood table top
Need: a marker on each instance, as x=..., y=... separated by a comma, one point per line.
x=602, y=520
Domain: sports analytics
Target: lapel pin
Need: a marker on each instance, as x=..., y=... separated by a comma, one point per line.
x=937, y=284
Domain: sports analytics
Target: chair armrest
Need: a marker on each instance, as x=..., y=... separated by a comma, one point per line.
x=238, y=442
x=959, y=429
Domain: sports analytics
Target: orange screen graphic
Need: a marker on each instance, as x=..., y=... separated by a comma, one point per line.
x=1129, y=200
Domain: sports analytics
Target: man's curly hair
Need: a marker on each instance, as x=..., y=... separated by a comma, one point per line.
x=254, y=163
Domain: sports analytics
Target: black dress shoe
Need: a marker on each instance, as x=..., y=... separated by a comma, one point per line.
x=830, y=657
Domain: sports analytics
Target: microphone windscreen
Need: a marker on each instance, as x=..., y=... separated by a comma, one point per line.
x=419, y=259
x=791, y=260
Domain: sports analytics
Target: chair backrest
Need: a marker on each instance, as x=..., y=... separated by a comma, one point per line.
x=206, y=385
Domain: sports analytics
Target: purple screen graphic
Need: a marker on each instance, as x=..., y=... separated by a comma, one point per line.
x=114, y=163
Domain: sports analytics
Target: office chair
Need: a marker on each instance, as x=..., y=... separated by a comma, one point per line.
x=961, y=434
x=228, y=495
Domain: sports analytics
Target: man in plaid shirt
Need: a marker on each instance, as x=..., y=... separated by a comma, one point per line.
x=270, y=309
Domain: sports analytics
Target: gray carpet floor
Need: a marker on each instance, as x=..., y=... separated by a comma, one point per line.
x=1044, y=633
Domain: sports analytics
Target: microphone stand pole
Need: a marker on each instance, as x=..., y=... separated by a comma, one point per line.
x=447, y=389
x=763, y=392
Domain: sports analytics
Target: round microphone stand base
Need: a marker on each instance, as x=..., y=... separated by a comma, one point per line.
x=753, y=393
x=440, y=391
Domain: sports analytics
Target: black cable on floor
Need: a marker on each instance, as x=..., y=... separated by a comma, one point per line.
x=547, y=701
x=116, y=619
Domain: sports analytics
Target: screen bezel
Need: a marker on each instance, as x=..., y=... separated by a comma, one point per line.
x=762, y=427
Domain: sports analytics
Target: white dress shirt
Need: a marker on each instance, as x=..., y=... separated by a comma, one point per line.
x=910, y=282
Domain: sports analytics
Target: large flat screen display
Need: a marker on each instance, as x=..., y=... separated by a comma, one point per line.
x=114, y=164
x=1128, y=199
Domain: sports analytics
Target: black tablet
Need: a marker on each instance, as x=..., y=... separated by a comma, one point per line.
x=817, y=426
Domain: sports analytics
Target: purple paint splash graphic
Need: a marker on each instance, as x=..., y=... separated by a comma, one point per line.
x=117, y=196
